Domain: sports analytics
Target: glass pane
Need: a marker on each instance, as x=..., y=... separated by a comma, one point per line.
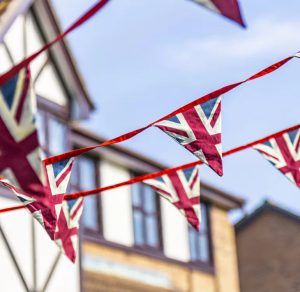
x=193, y=244
x=40, y=121
x=90, y=217
x=87, y=173
x=136, y=195
x=57, y=137
x=152, y=231
x=203, y=224
x=138, y=227
x=149, y=199
x=204, y=248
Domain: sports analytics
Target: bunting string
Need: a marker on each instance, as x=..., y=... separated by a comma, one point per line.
x=86, y=16
x=162, y=172
x=205, y=98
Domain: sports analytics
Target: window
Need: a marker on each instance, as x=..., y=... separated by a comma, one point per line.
x=84, y=177
x=145, y=217
x=52, y=133
x=199, y=241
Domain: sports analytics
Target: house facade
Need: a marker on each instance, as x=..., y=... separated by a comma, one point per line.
x=130, y=239
x=268, y=250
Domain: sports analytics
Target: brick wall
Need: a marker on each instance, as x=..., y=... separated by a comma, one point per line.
x=225, y=257
x=181, y=277
x=269, y=254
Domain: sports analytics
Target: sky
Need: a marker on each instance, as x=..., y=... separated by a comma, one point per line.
x=142, y=59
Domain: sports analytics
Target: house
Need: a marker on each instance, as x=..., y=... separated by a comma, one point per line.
x=131, y=240
x=268, y=250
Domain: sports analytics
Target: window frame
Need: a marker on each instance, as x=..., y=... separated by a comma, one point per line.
x=208, y=233
x=146, y=247
x=98, y=231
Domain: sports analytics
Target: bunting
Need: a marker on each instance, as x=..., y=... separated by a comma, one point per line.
x=284, y=153
x=227, y=8
x=199, y=131
x=66, y=236
x=182, y=189
x=20, y=161
x=195, y=103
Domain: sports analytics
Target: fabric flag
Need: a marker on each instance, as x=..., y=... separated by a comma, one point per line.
x=199, y=131
x=182, y=189
x=20, y=161
x=284, y=153
x=66, y=235
x=227, y=8
x=58, y=177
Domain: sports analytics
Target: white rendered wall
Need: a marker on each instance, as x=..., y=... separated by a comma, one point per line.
x=17, y=226
x=116, y=205
x=14, y=38
x=175, y=232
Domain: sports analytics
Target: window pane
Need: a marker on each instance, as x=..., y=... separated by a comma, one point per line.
x=87, y=173
x=149, y=199
x=89, y=215
x=57, y=137
x=40, y=121
x=138, y=227
x=136, y=195
x=151, y=230
x=199, y=241
x=203, y=224
x=204, y=248
x=193, y=244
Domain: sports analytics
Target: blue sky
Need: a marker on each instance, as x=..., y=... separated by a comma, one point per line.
x=143, y=59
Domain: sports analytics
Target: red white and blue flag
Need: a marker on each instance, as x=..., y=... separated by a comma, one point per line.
x=199, y=131
x=284, y=153
x=20, y=153
x=69, y=212
x=227, y=8
x=182, y=189
x=66, y=235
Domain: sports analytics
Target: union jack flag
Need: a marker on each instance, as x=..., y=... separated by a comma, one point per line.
x=227, y=8
x=69, y=212
x=284, y=153
x=66, y=235
x=199, y=131
x=20, y=152
x=182, y=189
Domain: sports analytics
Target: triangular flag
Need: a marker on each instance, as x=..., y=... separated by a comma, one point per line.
x=199, y=131
x=182, y=189
x=20, y=153
x=284, y=153
x=66, y=236
x=227, y=8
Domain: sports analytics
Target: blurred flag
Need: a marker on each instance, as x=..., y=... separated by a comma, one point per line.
x=182, y=189
x=66, y=235
x=199, y=131
x=284, y=153
x=227, y=8
x=20, y=161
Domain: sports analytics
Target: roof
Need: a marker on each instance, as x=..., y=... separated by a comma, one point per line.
x=62, y=56
x=267, y=206
x=209, y=193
